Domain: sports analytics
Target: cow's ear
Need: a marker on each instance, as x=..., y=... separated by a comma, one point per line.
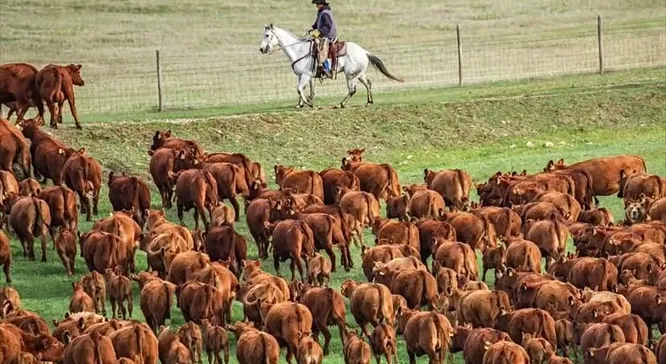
x=82, y=324
x=623, y=174
x=168, y=134
x=61, y=151
x=181, y=155
x=649, y=268
x=659, y=299
x=595, y=314
x=82, y=151
x=561, y=161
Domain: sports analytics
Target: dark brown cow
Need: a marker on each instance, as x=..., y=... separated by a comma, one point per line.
x=370, y=303
x=634, y=328
x=657, y=211
x=62, y=205
x=597, y=217
x=453, y=184
x=89, y=348
x=56, y=84
x=171, y=349
x=257, y=214
x=48, y=154
x=549, y=235
x=83, y=175
x=596, y=273
x=429, y=232
x=29, y=186
x=17, y=86
x=381, y=180
x=294, y=240
x=333, y=178
x=164, y=163
x=505, y=352
x=605, y=171
x=129, y=193
x=5, y=260
x=165, y=140
x=65, y=245
x=299, y=181
x=130, y=233
x=225, y=244
x=660, y=349
x=13, y=148
x=329, y=230
x=102, y=250
x=196, y=189
x=254, y=346
x=287, y=322
x=228, y=176
x=251, y=170
x=30, y=217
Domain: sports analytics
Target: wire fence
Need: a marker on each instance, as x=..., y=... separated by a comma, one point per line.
x=234, y=75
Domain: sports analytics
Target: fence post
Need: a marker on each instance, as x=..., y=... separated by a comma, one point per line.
x=159, y=81
x=601, y=54
x=459, y=55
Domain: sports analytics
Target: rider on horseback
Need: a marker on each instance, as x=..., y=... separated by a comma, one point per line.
x=323, y=31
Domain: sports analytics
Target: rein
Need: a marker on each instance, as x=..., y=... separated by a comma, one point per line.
x=282, y=47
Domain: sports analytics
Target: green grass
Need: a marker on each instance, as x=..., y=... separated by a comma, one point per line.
x=479, y=129
x=210, y=58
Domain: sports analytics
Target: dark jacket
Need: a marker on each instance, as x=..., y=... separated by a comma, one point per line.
x=325, y=24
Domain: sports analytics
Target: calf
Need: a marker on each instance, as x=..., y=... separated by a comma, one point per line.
x=384, y=254
x=223, y=215
x=80, y=300
x=538, y=349
x=137, y=342
x=90, y=348
x=287, y=322
x=319, y=270
x=95, y=286
x=396, y=208
x=254, y=346
x=426, y=333
x=156, y=301
x=5, y=261
x=129, y=193
x=120, y=290
x=370, y=303
x=396, y=232
x=356, y=351
x=62, y=206
x=215, y=340
x=327, y=307
x=505, y=352
x=309, y=351
x=65, y=245
x=383, y=342
x=29, y=186
x=171, y=350
x=196, y=189
x=102, y=250
x=30, y=217
x=453, y=185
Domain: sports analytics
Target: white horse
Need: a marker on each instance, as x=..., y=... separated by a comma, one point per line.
x=354, y=64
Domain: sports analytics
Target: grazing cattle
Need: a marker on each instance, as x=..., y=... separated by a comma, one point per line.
x=63, y=208
x=215, y=340
x=648, y=303
x=370, y=303
x=333, y=178
x=129, y=193
x=196, y=189
x=30, y=217
x=156, y=301
x=505, y=352
x=55, y=85
x=309, y=351
x=14, y=148
x=292, y=239
x=120, y=294
x=426, y=333
x=482, y=308
x=254, y=346
x=605, y=171
x=230, y=182
x=287, y=322
x=18, y=87
x=136, y=341
x=363, y=206
x=5, y=261
x=380, y=180
x=83, y=175
x=171, y=350
x=565, y=202
x=88, y=349
x=383, y=342
x=299, y=181
x=475, y=341
x=453, y=184
x=29, y=186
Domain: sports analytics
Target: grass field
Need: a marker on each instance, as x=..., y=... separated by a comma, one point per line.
x=479, y=129
x=209, y=49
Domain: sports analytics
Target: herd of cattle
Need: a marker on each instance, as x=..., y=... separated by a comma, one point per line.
x=605, y=301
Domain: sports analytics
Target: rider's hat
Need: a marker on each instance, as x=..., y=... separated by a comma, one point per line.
x=323, y=2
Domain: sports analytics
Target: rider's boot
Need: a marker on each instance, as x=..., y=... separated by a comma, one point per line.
x=327, y=69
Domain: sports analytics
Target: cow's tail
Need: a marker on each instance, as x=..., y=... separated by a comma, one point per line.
x=135, y=196
x=441, y=334
x=603, y=285
x=380, y=312
x=167, y=291
x=245, y=162
x=264, y=344
x=210, y=181
x=346, y=232
x=65, y=200
x=370, y=209
x=590, y=189
x=139, y=340
x=392, y=188
x=638, y=323
x=379, y=64
x=40, y=224
x=430, y=289
x=508, y=232
x=644, y=165
x=461, y=184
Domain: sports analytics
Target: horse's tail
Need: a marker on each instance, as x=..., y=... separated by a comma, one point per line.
x=381, y=67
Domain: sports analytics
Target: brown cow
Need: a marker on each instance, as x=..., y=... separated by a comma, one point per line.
x=356, y=351
x=122, y=225
x=523, y=256
x=333, y=178
x=80, y=300
x=598, y=335
x=383, y=342
x=9, y=190
x=458, y=256
x=196, y=189
x=648, y=303
x=329, y=230
x=396, y=208
x=170, y=348
x=65, y=244
x=120, y=290
x=309, y=351
x=363, y=206
x=619, y=353
x=165, y=140
x=476, y=231
x=164, y=163
x=657, y=210
x=251, y=170
x=396, y=233
x=254, y=346
x=429, y=232
x=156, y=301
x=564, y=330
x=532, y=321
x=89, y=348
x=426, y=204
x=634, y=328
x=14, y=149
x=564, y=201
x=17, y=86
x=48, y=154
x=452, y=184
x=30, y=218
x=505, y=352
x=198, y=301
x=223, y=215
x=9, y=301
x=384, y=273
x=597, y=217
x=384, y=254
x=319, y=270
x=5, y=261
x=633, y=186
x=493, y=258
x=294, y=240
x=370, y=303
x=215, y=340
x=426, y=333
x=549, y=235
x=418, y=286
x=83, y=175
x=258, y=213
x=62, y=205
x=185, y=266
x=287, y=322
x=507, y=223
x=660, y=349
x=380, y=180
x=29, y=186
x=328, y=308
x=476, y=340
x=538, y=349
x=299, y=181
x=95, y=286
x=482, y=308
x=598, y=274
x=136, y=341
x=129, y=193
x=605, y=171
x=102, y=250
x=226, y=244
x=190, y=335
x=55, y=84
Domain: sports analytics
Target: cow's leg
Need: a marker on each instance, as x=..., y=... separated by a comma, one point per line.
x=331, y=255
x=6, y=270
x=96, y=200
x=234, y=203
x=412, y=357
x=85, y=202
x=276, y=264
x=179, y=206
x=327, y=337
x=72, y=108
x=42, y=239
x=351, y=89
x=60, y=103
x=114, y=310
x=130, y=304
x=363, y=78
x=292, y=265
x=52, y=110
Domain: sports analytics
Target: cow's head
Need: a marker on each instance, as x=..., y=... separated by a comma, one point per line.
x=356, y=154
x=74, y=71
x=159, y=138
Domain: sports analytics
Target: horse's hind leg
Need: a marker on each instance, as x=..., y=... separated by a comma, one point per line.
x=363, y=78
x=351, y=88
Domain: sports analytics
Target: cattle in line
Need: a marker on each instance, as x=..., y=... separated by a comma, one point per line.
x=55, y=84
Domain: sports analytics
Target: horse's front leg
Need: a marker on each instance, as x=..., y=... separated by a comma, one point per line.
x=302, y=82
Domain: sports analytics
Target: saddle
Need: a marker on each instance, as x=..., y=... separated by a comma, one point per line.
x=337, y=48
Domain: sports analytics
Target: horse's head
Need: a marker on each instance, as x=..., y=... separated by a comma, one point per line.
x=269, y=39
